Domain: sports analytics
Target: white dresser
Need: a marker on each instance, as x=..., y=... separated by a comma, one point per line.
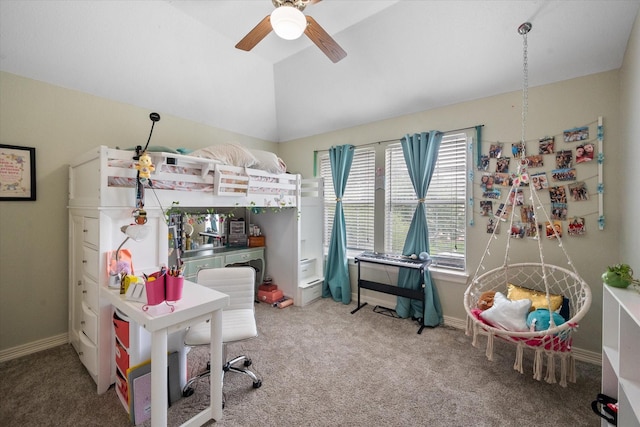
x=92, y=234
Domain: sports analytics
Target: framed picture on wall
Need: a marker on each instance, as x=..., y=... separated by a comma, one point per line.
x=17, y=173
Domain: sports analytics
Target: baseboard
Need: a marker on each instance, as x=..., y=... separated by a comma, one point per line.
x=33, y=347
x=587, y=356
x=578, y=353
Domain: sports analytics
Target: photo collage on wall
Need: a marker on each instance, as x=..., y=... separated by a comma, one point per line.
x=560, y=180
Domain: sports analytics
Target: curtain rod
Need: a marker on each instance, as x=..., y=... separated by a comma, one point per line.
x=398, y=139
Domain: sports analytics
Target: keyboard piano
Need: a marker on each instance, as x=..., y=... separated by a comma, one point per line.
x=393, y=259
x=401, y=261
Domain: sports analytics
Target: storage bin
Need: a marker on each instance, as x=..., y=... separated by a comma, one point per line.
x=267, y=288
x=123, y=387
x=121, y=326
x=122, y=358
x=256, y=241
x=270, y=296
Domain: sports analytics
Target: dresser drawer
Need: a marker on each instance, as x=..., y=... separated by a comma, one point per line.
x=89, y=323
x=191, y=267
x=88, y=354
x=91, y=231
x=307, y=268
x=90, y=262
x=242, y=257
x=90, y=293
x=310, y=291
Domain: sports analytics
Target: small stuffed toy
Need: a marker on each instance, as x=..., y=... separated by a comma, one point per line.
x=540, y=319
x=486, y=300
x=144, y=166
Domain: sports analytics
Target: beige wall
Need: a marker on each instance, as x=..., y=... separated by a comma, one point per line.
x=61, y=124
x=629, y=156
x=552, y=109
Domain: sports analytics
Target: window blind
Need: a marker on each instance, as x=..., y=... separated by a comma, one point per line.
x=445, y=202
x=357, y=202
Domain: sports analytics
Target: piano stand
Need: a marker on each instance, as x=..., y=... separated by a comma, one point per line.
x=386, y=311
x=417, y=294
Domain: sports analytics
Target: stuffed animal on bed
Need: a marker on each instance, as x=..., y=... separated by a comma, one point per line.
x=145, y=166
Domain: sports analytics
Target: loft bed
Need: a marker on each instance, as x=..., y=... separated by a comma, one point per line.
x=106, y=177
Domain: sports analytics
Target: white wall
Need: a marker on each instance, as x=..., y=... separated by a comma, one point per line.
x=552, y=109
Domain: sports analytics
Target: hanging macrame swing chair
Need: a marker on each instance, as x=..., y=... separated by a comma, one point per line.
x=559, y=292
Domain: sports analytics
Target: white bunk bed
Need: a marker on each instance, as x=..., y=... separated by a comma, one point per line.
x=102, y=199
x=106, y=177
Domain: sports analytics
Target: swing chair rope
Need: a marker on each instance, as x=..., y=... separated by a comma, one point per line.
x=556, y=340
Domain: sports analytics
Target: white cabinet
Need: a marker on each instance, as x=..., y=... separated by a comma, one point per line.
x=311, y=263
x=93, y=232
x=88, y=320
x=620, y=350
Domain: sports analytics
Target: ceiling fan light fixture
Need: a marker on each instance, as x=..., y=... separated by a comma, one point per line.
x=288, y=22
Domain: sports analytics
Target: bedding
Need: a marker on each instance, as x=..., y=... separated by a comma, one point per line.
x=228, y=154
x=268, y=161
x=183, y=177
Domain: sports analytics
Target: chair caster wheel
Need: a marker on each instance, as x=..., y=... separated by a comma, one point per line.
x=188, y=392
x=247, y=363
x=257, y=384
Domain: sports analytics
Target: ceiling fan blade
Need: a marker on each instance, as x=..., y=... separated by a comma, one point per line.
x=254, y=36
x=323, y=40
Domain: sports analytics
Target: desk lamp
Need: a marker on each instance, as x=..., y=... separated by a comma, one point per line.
x=137, y=232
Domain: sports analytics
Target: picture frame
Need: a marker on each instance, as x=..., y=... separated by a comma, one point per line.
x=17, y=173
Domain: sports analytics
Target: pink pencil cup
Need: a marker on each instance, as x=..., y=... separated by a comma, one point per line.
x=155, y=289
x=174, y=287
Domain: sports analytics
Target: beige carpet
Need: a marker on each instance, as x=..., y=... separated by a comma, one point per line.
x=322, y=366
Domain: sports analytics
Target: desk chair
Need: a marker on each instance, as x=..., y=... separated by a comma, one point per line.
x=238, y=319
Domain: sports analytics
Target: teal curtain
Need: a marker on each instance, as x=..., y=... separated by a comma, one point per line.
x=336, y=278
x=420, y=154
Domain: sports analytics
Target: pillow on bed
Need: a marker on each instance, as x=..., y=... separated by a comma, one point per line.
x=538, y=298
x=507, y=314
x=268, y=161
x=228, y=154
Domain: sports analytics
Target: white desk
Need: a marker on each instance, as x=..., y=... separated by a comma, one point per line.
x=197, y=304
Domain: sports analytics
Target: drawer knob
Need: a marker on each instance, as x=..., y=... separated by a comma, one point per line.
x=84, y=292
x=82, y=322
x=84, y=261
x=84, y=230
x=79, y=282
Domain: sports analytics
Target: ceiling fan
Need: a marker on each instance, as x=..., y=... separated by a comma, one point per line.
x=288, y=22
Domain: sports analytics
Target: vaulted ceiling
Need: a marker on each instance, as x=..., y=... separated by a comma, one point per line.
x=178, y=57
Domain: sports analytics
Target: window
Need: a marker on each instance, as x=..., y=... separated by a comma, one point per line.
x=445, y=202
x=357, y=203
